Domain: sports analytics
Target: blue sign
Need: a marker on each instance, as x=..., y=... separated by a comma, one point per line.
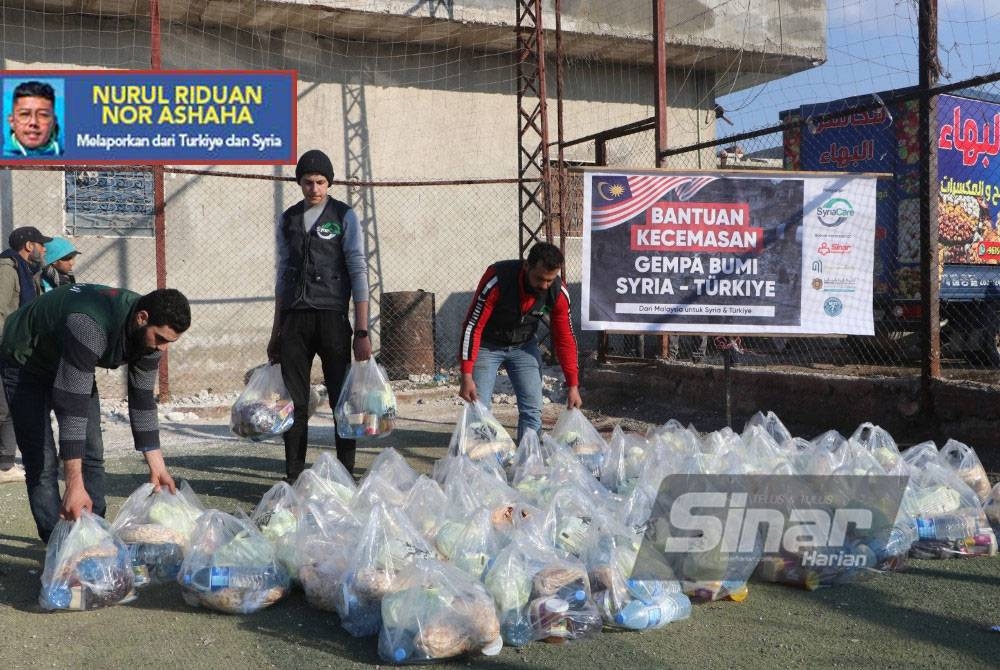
x=87, y=117
x=834, y=140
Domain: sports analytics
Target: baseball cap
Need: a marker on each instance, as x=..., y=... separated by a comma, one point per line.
x=19, y=236
x=57, y=249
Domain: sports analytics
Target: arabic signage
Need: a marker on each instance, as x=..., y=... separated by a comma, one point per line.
x=835, y=140
x=721, y=253
x=91, y=117
x=969, y=180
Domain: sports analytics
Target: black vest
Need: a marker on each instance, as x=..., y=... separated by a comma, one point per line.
x=507, y=327
x=25, y=277
x=316, y=276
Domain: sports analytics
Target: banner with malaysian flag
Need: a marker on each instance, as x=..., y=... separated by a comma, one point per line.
x=755, y=253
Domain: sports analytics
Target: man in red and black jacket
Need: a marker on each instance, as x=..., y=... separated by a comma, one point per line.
x=500, y=328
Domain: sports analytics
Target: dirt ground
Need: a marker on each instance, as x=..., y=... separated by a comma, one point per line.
x=933, y=615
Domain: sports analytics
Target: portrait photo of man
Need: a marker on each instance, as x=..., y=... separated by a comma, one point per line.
x=32, y=108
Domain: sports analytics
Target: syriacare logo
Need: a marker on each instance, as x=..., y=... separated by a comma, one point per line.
x=834, y=212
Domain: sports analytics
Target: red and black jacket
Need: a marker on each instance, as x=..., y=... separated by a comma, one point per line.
x=505, y=312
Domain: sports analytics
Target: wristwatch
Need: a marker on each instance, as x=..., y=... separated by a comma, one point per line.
x=360, y=333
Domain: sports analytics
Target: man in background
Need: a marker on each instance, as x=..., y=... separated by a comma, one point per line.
x=19, y=266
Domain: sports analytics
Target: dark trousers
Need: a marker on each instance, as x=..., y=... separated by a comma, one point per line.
x=8, y=442
x=305, y=333
x=30, y=400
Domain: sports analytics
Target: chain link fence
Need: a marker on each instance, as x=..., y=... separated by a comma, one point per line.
x=437, y=116
x=426, y=245
x=870, y=134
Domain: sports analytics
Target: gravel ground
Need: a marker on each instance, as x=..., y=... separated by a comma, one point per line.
x=933, y=615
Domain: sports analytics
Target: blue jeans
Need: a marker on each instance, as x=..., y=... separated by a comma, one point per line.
x=524, y=368
x=29, y=397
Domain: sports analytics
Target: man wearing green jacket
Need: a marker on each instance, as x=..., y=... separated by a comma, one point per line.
x=48, y=355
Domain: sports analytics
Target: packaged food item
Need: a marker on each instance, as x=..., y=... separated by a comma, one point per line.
x=264, y=409
x=86, y=566
x=366, y=407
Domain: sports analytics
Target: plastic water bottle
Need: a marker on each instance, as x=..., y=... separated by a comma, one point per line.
x=650, y=591
x=92, y=570
x=606, y=605
x=899, y=542
x=56, y=597
x=396, y=645
x=159, y=562
x=574, y=593
x=359, y=617
x=636, y=615
x=515, y=628
x=219, y=577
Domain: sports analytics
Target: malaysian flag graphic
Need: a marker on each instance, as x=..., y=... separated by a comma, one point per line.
x=617, y=198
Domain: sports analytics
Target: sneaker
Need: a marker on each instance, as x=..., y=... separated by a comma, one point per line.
x=15, y=474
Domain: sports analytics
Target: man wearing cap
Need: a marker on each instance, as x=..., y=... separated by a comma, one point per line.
x=19, y=266
x=60, y=255
x=321, y=267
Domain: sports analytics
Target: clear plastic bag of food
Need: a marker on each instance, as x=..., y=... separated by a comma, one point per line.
x=624, y=601
x=156, y=526
x=264, y=409
x=325, y=548
x=231, y=567
x=965, y=462
x=438, y=612
x=628, y=454
x=540, y=594
x=277, y=517
x=470, y=542
x=479, y=436
x=575, y=432
x=387, y=543
x=392, y=467
x=366, y=407
x=949, y=517
x=427, y=506
x=86, y=566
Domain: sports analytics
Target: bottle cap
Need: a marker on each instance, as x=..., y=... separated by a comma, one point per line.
x=556, y=605
x=399, y=654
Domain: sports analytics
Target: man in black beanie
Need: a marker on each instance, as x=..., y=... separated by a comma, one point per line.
x=321, y=268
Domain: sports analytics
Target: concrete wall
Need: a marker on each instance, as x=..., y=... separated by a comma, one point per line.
x=809, y=404
x=382, y=111
x=454, y=118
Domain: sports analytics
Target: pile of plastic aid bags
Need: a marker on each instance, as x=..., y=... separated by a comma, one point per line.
x=507, y=544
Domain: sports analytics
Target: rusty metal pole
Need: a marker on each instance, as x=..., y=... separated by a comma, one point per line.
x=660, y=114
x=929, y=268
x=534, y=171
x=159, y=220
x=601, y=158
x=560, y=157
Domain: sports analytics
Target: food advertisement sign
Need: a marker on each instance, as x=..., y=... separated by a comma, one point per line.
x=968, y=144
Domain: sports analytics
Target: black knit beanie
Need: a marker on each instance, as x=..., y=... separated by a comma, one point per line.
x=314, y=161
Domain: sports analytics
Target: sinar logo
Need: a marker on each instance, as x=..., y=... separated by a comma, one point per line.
x=834, y=212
